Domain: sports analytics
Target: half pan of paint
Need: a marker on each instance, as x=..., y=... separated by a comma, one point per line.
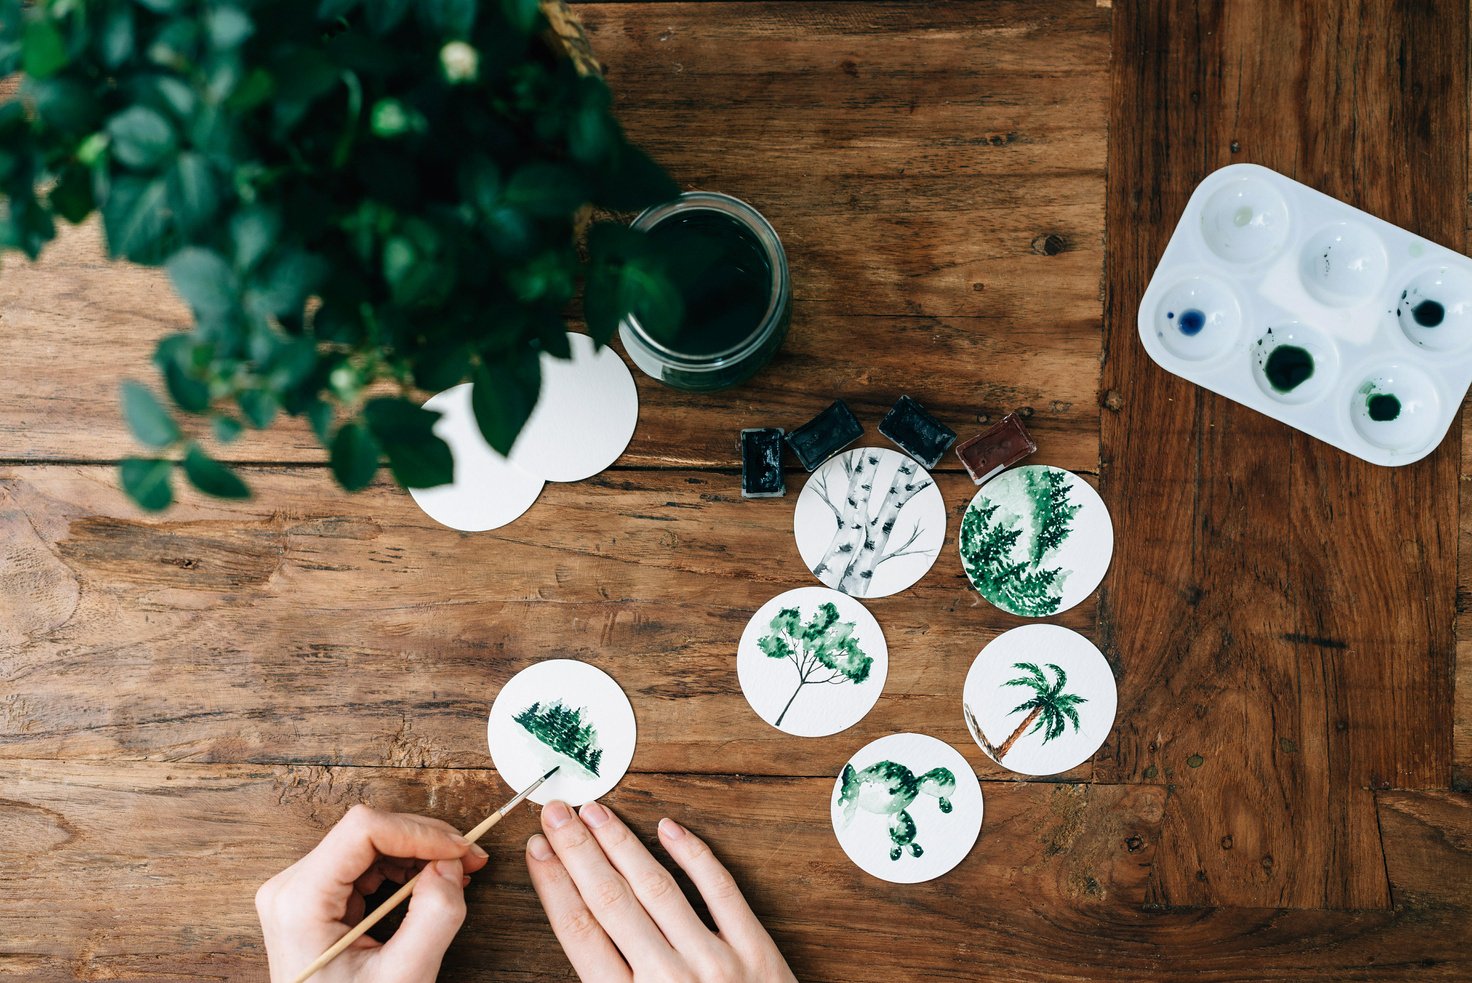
x=1315, y=313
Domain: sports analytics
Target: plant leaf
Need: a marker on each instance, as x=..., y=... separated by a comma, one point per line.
x=227, y=429
x=547, y=190
x=354, y=456
x=259, y=407
x=134, y=214
x=193, y=191
x=502, y=397
x=204, y=280
x=44, y=52
x=212, y=477
x=146, y=480
x=141, y=137
x=148, y=420
x=633, y=181
x=416, y=455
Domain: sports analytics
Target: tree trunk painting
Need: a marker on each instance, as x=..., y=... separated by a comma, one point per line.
x=860, y=542
x=1021, y=729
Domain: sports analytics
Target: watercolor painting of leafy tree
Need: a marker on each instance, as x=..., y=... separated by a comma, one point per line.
x=864, y=522
x=1049, y=709
x=564, y=730
x=822, y=649
x=1010, y=536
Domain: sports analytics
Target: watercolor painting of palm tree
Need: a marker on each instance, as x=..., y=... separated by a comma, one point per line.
x=1049, y=709
x=822, y=648
x=863, y=521
x=1010, y=537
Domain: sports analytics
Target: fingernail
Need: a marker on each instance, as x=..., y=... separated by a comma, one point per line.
x=671, y=829
x=539, y=848
x=594, y=814
x=476, y=849
x=557, y=814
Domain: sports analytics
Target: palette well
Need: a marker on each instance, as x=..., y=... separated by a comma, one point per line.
x=1315, y=313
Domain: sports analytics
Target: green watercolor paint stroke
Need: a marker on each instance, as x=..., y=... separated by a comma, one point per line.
x=564, y=730
x=1011, y=536
x=888, y=788
x=822, y=648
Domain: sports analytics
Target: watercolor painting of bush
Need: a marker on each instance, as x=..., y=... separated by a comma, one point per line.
x=870, y=522
x=1036, y=541
x=906, y=808
x=567, y=713
x=1039, y=699
x=812, y=661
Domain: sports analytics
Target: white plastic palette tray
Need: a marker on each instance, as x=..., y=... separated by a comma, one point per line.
x=1315, y=313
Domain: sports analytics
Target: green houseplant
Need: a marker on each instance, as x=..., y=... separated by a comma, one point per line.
x=360, y=201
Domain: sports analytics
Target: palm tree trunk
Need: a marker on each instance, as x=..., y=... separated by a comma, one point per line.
x=1007, y=744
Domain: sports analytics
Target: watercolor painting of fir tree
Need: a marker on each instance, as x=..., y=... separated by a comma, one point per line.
x=812, y=661
x=906, y=808
x=566, y=713
x=564, y=730
x=1039, y=699
x=870, y=522
x=1036, y=541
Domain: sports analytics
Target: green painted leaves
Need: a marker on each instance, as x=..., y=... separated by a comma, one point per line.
x=1010, y=536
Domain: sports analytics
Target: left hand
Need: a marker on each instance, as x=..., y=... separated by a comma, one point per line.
x=311, y=904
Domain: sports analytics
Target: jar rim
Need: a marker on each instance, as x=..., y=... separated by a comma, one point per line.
x=754, y=222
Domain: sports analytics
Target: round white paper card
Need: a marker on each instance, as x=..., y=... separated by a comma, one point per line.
x=1036, y=540
x=870, y=522
x=562, y=712
x=1039, y=699
x=907, y=808
x=584, y=416
x=812, y=662
x=488, y=491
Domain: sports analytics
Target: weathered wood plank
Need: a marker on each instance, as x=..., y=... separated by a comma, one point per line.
x=1051, y=892
x=301, y=627
x=936, y=174
x=1292, y=605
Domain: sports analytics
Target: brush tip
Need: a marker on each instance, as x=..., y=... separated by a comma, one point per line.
x=551, y=773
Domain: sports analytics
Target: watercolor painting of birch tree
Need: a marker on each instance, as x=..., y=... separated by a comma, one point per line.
x=876, y=506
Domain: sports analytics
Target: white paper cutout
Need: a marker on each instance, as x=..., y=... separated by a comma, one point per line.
x=887, y=539
x=488, y=491
x=584, y=416
x=818, y=686
x=1053, y=680
x=1036, y=540
x=554, y=690
x=903, y=794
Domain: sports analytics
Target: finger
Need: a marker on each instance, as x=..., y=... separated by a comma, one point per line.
x=651, y=883
x=606, y=893
x=364, y=834
x=588, y=947
x=733, y=916
x=436, y=912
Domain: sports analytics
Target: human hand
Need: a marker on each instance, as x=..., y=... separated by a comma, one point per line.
x=311, y=904
x=620, y=916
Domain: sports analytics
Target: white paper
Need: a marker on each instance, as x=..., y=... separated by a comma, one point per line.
x=1035, y=541
x=521, y=758
x=488, y=491
x=812, y=661
x=886, y=539
x=903, y=794
x=1053, y=680
x=584, y=416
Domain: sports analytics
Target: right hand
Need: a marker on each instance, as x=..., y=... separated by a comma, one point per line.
x=621, y=917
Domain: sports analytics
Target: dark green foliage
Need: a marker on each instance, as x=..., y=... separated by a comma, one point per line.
x=1053, y=518
x=1055, y=707
x=821, y=643
x=345, y=192
x=562, y=729
x=1020, y=586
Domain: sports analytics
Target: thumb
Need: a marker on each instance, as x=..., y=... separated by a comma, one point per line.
x=436, y=912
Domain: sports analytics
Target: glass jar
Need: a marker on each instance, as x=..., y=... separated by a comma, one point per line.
x=736, y=313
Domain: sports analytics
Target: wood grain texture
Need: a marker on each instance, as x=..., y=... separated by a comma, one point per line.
x=300, y=627
x=940, y=198
x=1293, y=604
x=1051, y=892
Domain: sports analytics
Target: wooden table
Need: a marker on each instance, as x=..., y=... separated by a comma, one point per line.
x=187, y=701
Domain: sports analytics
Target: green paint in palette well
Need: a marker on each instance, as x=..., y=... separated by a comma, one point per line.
x=888, y=789
x=1009, y=535
x=1288, y=367
x=565, y=730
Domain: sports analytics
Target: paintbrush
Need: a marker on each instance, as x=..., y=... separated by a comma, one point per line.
x=357, y=930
